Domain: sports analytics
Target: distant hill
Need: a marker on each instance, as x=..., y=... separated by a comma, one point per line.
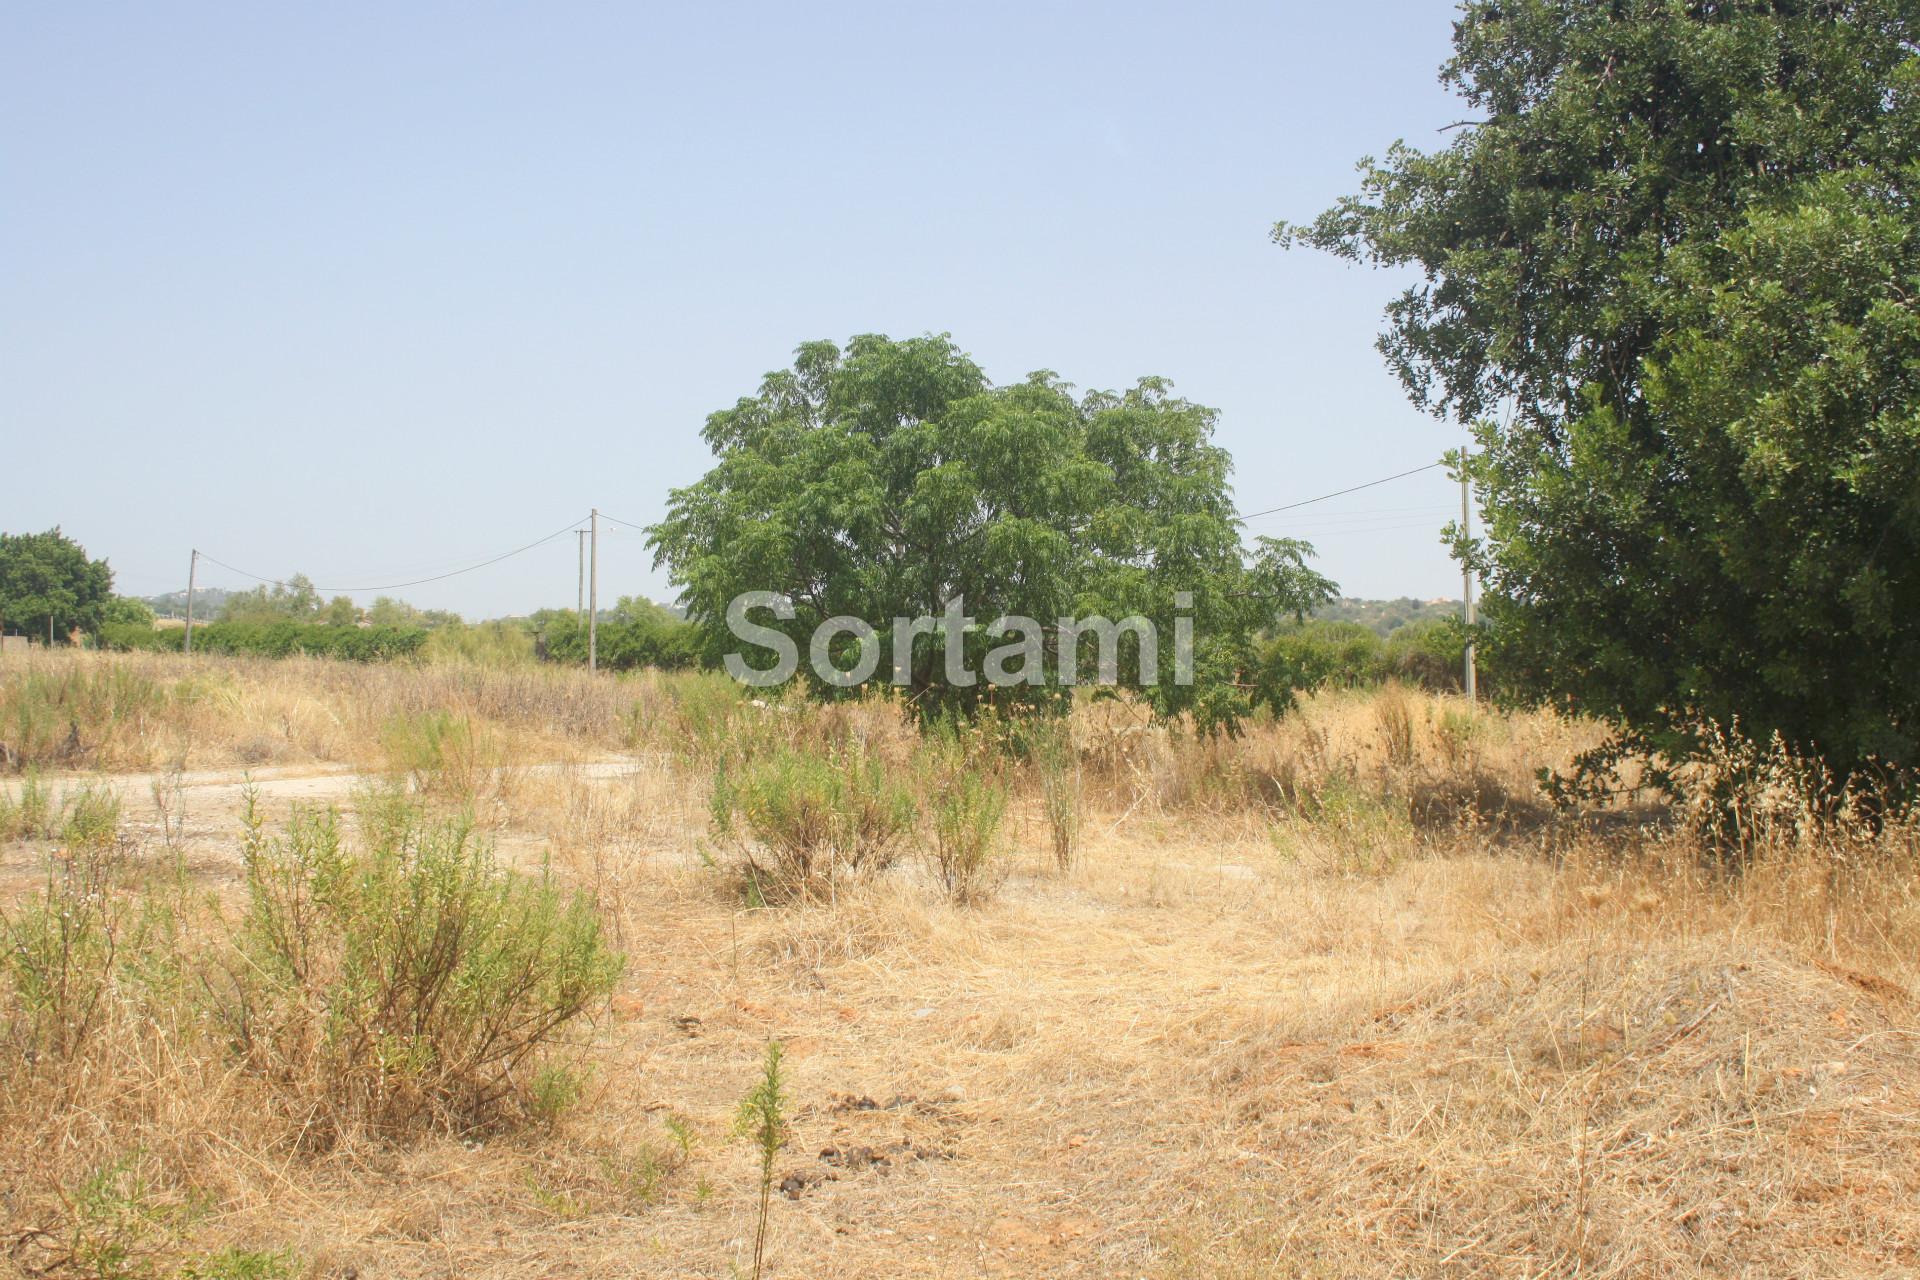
x=1384, y=616
x=206, y=603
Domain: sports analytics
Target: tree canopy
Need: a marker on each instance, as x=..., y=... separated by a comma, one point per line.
x=1668, y=274
x=294, y=600
x=47, y=585
x=885, y=480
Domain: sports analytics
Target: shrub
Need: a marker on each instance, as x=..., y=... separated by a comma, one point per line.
x=966, y=814
x=411, y=983
x=58, y=960
x=634, y=634
x=57, y=715
x=1311, y=654
x=282, y=639
x=806, y=823
x=486, y=644
x=1049, y=745
x=31, y=816
x=441, y=754
x=1430, y=653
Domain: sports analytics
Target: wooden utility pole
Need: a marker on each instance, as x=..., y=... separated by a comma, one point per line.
x=1466, y=570
x=593, y=598
x=193, y=564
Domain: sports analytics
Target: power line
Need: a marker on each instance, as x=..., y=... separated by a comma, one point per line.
x=395, y=586
x=1270, y=511
x=1340, y=493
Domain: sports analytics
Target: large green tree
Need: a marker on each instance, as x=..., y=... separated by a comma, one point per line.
x=1668, y=271
x=48, y=586
x=891, y=478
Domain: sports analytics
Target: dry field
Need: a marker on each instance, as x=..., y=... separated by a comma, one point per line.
x=1340, y=998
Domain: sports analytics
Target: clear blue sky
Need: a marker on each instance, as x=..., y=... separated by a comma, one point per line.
x=369, y=291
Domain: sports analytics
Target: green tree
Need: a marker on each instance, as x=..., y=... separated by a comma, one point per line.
x=294, y=600
x=47, y=584
x=1668, y=273
x=886, y=480
x=126, y=611
x=389, y=612
x=342, y=612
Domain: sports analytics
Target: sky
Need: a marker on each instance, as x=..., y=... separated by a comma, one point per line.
x=375, y=292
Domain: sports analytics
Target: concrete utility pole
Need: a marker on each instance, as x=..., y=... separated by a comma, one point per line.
x=593, y=599
x=580, y=607
x=1466, y=570
x=192, y=565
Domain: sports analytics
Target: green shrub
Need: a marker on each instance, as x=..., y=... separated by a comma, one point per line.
x=29, y=816
x=282, y=639
x=91, y=816
x=58, y=959
x=113, y=1226
x=441, y=754
x=1048, y=745
x=966, y=815
x=806, y=823
x=708, y=709
x=1313, y=654
x=411, y=983
x=634, y=634
x=485, y=644
x=1431, y=654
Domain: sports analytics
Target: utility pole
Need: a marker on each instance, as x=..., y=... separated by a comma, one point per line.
x=192, y=565
x=580, y=606
x=593, y=598
x=1466, y=570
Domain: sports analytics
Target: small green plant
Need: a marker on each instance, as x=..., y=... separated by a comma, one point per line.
x=243, y=1264
x=112, y=1222
x=30, y=817
x=557, y=1202
x=554, y=1090
x=91, y=817
x=762, y=1120
x=1361, y=832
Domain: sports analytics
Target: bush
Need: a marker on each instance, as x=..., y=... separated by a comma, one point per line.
x=806, y=824
x=486, y=644
x=967, y=812
x=1430, y=654
x=442, y=754
x=409, y=984
x=1048, y=744
x=59, y=957
x=274, y=640
x=56, y=716
x=1311, y=654
x=634, y=634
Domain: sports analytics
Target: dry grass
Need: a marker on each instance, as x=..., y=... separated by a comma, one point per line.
x=1339, y=998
